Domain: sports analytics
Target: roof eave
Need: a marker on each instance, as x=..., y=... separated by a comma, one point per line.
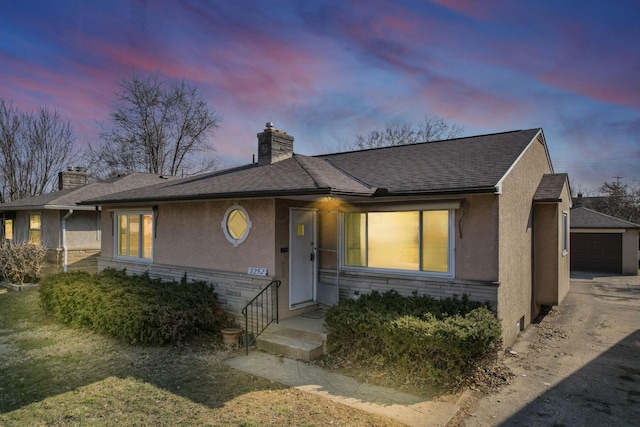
x=45, y=207
x=548, y=200
x=443, y=192
x=215, y=196
x=325, y=191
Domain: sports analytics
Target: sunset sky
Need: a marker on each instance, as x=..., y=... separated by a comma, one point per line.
x=325, y=71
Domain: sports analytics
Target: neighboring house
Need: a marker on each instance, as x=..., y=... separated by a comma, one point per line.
x=71, y=232
x=484, y=216
x=602, y=243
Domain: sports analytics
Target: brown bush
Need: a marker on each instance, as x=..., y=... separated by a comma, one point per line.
x=20, y=262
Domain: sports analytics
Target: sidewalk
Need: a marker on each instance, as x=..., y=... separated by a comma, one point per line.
x=402, y=407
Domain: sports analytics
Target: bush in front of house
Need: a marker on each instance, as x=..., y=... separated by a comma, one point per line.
x=416, y=336
x=21, y=262
x=136, y=309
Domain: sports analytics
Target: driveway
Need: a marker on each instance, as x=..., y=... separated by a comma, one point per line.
x=580, y=366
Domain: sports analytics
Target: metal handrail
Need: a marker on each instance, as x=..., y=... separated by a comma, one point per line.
x=260, y=312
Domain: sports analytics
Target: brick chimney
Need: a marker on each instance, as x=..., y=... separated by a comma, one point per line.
x=72, y=178
x=274, y=145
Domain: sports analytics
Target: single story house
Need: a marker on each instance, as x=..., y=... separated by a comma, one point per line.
x=484, y=216
x=603, y=244
x=70, y=231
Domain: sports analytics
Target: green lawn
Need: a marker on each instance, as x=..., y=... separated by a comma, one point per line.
x=53, y=375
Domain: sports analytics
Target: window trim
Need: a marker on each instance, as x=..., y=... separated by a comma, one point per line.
x=450, y=274
x=4, y=229
x=225, y=230
x=565, y=233
x=39, y=214
x=116, y=234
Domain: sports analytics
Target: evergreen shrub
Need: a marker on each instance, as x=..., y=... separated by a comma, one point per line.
x=415, y=335
x=136, y=309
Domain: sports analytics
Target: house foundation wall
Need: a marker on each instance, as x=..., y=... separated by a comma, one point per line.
x=353, y=284
x=79, y=259
x=233, y=290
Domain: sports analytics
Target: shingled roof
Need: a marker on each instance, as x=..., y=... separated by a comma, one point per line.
x=70, y=198
x=587, y=218
x=463, y=165
x=550, y=188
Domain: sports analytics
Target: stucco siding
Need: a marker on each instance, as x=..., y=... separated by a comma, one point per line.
x=476, y=239
x=551, y=260
x=547, y=252
x=630, y=252
x=515, y=305
x=82, y=229
x=21, y=227
x=191, y=235
x=50, y=227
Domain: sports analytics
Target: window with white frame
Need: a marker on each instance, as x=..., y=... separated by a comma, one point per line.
x=134, y=236
x=565, y=233
x=403, y=240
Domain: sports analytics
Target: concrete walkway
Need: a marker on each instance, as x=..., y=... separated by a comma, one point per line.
x=402, y=407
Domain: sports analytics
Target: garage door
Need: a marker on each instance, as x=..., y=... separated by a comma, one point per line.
x=596, y=252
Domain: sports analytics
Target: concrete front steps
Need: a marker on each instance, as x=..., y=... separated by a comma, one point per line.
x=301, y=338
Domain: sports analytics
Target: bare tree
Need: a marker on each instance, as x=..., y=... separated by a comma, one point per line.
x=431, y=128
x=158, y=126
x=618, y=199
x=34, y=147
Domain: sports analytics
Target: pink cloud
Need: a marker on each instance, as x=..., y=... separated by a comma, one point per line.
x=257, y=70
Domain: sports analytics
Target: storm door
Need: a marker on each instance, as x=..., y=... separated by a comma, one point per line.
x=302, y=258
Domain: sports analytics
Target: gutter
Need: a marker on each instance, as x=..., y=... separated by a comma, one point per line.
x=374, y=193
x=64, y=239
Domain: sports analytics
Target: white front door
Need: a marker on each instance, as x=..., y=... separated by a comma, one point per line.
x=302, y=257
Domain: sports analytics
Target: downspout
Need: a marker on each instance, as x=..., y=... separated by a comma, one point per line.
x=64, y=239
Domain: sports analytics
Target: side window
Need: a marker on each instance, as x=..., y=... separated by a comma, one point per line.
x=35, y=229
x=565, y=233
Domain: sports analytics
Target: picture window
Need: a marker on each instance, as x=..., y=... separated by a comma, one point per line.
x=404, y=240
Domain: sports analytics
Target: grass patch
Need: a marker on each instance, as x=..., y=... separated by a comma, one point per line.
x=84, y=379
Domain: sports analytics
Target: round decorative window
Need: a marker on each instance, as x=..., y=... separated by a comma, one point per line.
x=236, y=224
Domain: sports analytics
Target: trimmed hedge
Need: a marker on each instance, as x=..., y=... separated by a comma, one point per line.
x=416, y=335
x=136, y=309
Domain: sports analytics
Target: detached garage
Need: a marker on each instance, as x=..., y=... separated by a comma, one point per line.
x=602, y=243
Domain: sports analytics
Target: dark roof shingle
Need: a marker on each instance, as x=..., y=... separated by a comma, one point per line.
x=550, y=188
x=71, y=197
x=587, y=218
x=471, y=164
